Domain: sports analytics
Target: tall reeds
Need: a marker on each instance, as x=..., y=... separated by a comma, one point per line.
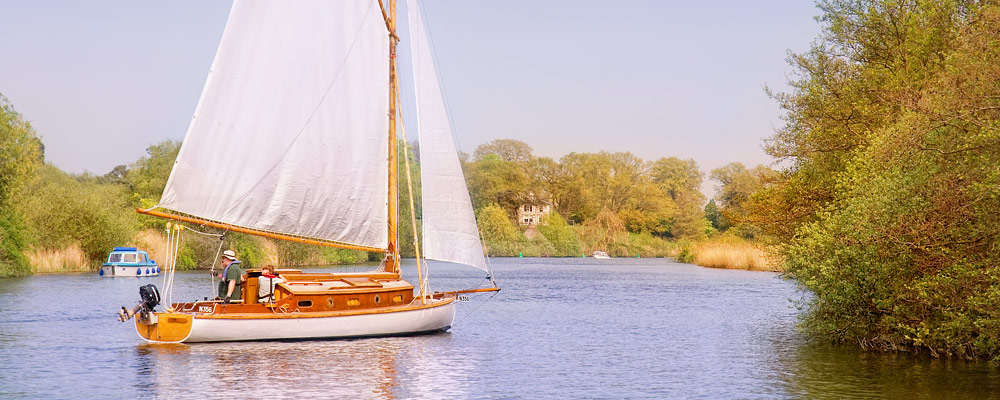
x=733, y=253
x=68, y=259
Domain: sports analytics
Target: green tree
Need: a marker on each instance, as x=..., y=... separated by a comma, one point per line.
x=148, y=175
x=563, y=238
x=21, y=153
x=493, y=180
x=505, y=149
x=680, y=180
x=737, y=185
x=502, y=238
x=715, y=217
x=676, y=176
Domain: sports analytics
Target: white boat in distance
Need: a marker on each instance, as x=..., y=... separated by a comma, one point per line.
x=295, y=138
x=600, y=254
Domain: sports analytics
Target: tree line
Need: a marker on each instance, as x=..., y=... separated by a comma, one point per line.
x=614, y=202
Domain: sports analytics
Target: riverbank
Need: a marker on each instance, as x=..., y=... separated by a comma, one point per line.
x=721, y=251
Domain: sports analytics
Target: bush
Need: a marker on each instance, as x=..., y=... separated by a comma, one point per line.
x=247, y=248
x=563, y=239
x=12, y=247
x=62, y=210
x=502, y=238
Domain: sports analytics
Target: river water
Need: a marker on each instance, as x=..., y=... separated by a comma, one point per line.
x=560, y=328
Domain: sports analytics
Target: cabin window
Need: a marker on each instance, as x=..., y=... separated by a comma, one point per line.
x=115, y=257
x=378, y=299
x=527, y=207
x=353, y=302
x=130, y=257
x=397, y=298
x=329, y=302
x=305, y=303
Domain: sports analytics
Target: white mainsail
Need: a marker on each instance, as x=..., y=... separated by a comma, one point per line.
x=290, y=133
x=449, y=224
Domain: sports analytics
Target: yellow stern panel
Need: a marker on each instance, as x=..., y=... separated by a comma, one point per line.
x=168, y=327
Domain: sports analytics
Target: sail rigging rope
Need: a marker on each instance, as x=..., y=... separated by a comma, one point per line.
x=222, y=238
x=477, y=307
x=421, y=277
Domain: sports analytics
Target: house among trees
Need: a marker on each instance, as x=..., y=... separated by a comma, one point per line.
x=532, y=213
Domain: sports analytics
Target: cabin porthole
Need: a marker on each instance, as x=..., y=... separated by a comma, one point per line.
x=305, y=303
x=378, y=299
x=329, y=302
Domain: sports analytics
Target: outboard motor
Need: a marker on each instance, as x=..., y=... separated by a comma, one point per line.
x=149, y=298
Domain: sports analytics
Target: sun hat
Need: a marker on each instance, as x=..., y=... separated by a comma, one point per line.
x=229, y=254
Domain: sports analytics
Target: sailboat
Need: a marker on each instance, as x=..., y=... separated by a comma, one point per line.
x=295, y=138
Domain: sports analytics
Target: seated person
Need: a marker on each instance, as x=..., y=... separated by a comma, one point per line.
x=268, y=279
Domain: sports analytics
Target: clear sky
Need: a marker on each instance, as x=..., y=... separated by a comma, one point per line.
x=101, y=81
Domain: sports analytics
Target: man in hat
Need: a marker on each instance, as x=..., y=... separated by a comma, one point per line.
x=231, y=279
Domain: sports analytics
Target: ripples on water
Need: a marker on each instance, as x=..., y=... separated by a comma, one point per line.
x=561, y=328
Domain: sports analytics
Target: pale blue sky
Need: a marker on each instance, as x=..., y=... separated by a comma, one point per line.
x=101, y=81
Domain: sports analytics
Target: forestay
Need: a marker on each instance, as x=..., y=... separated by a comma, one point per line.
x=290, y=134
x=449, y=224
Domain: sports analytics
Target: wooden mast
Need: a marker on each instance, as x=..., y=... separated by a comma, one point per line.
x=392, y=251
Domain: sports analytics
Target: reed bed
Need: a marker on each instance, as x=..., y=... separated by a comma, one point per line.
x=49, y=261
x=154, y=242
x=733, y=255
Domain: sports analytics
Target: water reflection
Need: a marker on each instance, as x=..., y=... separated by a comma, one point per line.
x=826, y=371
x=377, y=368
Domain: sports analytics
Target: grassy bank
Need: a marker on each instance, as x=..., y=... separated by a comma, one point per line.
x=198, y=252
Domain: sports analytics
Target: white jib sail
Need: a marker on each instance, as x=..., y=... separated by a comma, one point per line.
x=290, y=134
x=449, y=224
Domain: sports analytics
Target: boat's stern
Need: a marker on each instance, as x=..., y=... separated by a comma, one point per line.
x=164, y=327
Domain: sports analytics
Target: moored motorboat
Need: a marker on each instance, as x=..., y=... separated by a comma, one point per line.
x=129, y=262
x=598, y=254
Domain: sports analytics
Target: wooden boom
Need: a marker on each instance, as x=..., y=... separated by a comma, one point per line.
x=272, y=235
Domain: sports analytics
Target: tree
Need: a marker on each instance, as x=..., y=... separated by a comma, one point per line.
x=606, y=232
x=562, y=237
x=737, y=185
x=506, y=150
x=492, y=180
x=500, y=235
x=21, y=153
x=148, y=175
x=675, y=176
x=715, y=217
x=592, y=182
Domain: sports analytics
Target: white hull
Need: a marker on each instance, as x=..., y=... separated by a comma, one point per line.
x=300, y=326
x=126, y=271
